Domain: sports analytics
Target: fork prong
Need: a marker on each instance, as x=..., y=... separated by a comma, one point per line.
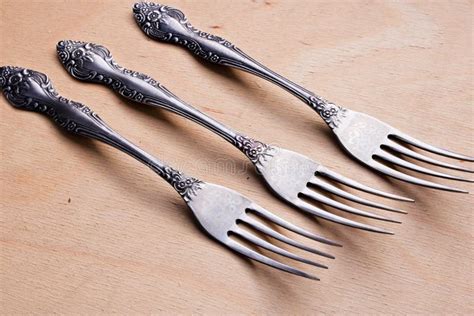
x=410, y=179
x=335, y=190
x=274, y=234
x=406, y=164
x=270, y=247
x=356, y=185
x=251, y=254
x=311, y=209
x=415, y=142
x=413, y=154
x=296, y=229
x=325, y=200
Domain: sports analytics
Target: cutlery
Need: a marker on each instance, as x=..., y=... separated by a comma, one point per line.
x=219, y=210
x=369, y=140
x=288, y=173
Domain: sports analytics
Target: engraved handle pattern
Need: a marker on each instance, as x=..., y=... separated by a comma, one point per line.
x=94, y=63
x=31, y=90
x=168, y=24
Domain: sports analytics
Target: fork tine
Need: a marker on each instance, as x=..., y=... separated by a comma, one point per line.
x=272, y=233
x=413, y=154
x=410, y=179
x=406, y=164
x=325, y=200
x=356, y=185
x=430, y=148
x=251, y=254
x=337, y=219
x=266, y=245
x=335, y=190
x=283, y=223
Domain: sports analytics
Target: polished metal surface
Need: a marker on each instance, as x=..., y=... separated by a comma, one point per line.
x=286, y=172
x=219, y=210
x=369, y=140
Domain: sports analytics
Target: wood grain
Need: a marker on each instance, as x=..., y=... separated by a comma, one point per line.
x=85, y=229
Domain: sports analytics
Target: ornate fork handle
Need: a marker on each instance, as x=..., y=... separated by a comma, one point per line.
x=94, y=63
x=168, y=24
x=31, y=90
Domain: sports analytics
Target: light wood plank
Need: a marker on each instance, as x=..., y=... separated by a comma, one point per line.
x=85, y=229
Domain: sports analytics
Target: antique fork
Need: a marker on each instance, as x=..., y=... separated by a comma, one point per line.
x=286, y=172
x=369, y=140
x=219, y=210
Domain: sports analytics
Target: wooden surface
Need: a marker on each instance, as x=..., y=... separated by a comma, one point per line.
x=86, y=229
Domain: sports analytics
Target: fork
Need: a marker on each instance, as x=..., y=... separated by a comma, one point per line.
x=219, y=210
x=369, y=140
x=286, y=172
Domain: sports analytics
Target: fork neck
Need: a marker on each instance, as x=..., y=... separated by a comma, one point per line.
x=186, y=186
x=143, y=89
x=252, y=66
x=154, y=94
x=328, y=111
x=114, y=139
x=157, y=95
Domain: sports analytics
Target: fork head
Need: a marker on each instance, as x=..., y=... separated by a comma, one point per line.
x=293, y=177
x=376, y=143
x=224, y=213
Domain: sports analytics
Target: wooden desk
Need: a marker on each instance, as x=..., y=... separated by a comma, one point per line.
x=86, y=229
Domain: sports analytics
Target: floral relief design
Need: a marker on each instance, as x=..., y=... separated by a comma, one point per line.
x=186, y=186
x=330, y=112
x=154, y=20
x=13, y=80
x=154, y=16
x=256, y=151
x=15, y=83
x=75, y=54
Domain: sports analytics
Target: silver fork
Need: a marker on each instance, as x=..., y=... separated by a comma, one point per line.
x=218, y=209
x=286, y=172
x=369, y=140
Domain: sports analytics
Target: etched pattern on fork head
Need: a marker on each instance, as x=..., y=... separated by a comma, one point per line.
x=224, y=213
